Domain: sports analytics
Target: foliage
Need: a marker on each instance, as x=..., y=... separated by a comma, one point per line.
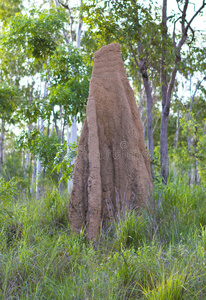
x=9, y=8
x=8, y=189
x=12, y=168
x=35, y=50
x=50, y=151
x=35, y=34
x=8, y=101
x=40, y=145
x=69, y=81
x=64, y=160
x=126, y=22
x=193, y=128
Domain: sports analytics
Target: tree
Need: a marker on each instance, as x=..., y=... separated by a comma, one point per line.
x=9, y=8
x=133, y=26
x=168, y=80
x=46, y=60
x=153, y=49
x=8, y=102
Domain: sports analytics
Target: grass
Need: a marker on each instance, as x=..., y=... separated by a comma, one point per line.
x=160, y=254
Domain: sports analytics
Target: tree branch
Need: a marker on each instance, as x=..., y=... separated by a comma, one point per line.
x=64, y=5
x=185, y=29
x=194, y=16
x=132, y=50
x=174, y=34
x=70, y=17
x=193, y=34
x=184, y=15
x=193, y=96
x=179, y=6
x=170, y=88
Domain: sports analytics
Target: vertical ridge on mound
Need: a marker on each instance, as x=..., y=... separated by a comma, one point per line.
x=112, y=169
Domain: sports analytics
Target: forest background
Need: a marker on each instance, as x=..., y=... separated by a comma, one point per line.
x=46, y=56
x=45, y=78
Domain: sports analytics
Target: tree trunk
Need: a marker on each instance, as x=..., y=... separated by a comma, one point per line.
x=2, y=143
x=38, y=163
x=176, y=139
x=62, y=141
x=69, y=181
x=27, y=159
x=38, y=173
x=164, y=147
x=165, y=101
x=33, y=177
x=79, y=30
x=74, y=131
x=189, y=140
x=29, y=128
x=195, y=152
x=74, y=121
x=148, y=90
x=73, y=138
x=166, y=90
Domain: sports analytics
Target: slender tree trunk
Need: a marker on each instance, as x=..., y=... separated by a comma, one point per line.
x=78, y=43
x=74, y=131
x=167, y=90
x=74, y=121
x=62, y=141
x=38, y=174
x=27, y=159
x=69, y=181
x=148, y=90
x=189, y=140
x=29, y=128
x=2, y=143
x=72, y=139
x=79, y=30
x=165, y=108
x=38, y=164
x=176, y=139
x=195, y=152
x=164, y=147
x=166, y=93
x=33, y=176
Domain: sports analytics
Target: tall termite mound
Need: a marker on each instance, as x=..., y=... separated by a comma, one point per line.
x=112, y=168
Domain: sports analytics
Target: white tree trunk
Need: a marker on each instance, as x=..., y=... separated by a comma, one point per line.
x=33, y=177
x=62, y=141
x=74, y=131
x=72, y=139
x=38, y=163
x=27, y=159
x=69, y=182
x=79, y=30
x=74, y=122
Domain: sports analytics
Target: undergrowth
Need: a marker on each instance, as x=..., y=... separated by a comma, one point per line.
x=157, y=254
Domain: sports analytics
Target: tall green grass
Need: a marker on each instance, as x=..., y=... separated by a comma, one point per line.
x=158, y=254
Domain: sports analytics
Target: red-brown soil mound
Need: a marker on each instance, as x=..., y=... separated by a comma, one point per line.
x=112, y=167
